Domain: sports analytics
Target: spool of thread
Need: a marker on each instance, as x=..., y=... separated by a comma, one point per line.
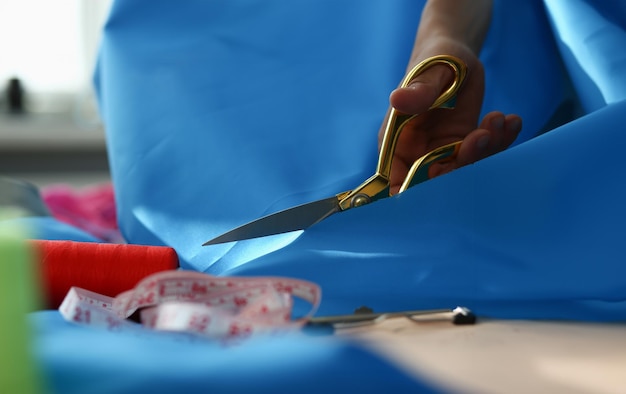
x=107, y=269
x=18, y=296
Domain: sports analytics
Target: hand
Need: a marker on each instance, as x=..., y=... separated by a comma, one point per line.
x=438, y=127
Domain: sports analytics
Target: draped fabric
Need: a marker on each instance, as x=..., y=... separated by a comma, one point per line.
x=218, y=112
x=76, y=360
x=270, y=109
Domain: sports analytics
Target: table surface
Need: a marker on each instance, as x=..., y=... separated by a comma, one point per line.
x=495, y=356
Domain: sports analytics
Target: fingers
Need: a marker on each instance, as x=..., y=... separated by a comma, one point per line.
x=495, y=133
x=512, y=128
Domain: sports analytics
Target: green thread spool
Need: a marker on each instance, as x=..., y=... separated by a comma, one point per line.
x=18, y=296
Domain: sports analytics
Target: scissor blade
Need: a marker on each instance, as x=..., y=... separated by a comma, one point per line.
x=297, y=218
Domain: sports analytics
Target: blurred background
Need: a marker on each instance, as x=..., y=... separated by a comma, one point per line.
x=50, y=131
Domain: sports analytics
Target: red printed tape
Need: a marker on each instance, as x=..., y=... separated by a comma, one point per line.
x=193, y=302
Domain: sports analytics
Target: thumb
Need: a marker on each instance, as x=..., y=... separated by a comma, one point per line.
x=422, y=92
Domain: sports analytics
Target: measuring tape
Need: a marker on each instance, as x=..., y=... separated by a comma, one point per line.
x=196, y=303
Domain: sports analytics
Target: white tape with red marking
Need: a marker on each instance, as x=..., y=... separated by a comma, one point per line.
x=193, y=302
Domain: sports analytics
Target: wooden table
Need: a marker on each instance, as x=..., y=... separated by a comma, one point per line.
x=505, y=356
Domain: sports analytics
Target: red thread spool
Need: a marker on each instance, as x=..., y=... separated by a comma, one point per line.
x=107, y=269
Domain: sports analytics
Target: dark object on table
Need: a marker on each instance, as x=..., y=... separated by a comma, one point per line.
x=15, y=96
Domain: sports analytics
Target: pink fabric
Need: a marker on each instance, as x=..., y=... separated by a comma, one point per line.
x=91, y=208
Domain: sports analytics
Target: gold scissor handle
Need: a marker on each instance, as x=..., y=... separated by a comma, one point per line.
x=418, y=172
x=397, y=121
x=377, y=186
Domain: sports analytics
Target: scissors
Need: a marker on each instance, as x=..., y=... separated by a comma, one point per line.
x=458, y=316
x=377, y=186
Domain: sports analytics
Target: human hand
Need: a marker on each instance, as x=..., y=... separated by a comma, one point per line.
x=437, y=127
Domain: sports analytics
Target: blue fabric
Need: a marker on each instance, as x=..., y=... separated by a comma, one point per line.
x=264, y=100
x=78, y=360
x=218, y=114
x=591, y=38
x=46, y=227
x=545, y=243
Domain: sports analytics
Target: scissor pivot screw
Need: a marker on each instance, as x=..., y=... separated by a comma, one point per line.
x=359, y=200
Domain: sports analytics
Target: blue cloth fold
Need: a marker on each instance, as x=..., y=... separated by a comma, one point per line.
x=47, y=227
x=79, y=360
x=538, y=227
x=591, y=37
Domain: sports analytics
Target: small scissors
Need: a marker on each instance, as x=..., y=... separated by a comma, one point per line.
x=377, y=186
x=364, y=316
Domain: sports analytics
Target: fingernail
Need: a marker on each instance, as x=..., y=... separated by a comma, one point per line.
x=482, y=142
x=514, y=126
x=414, y=85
